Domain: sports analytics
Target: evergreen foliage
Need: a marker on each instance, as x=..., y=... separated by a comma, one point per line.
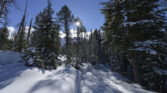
x=66, y=18
x=47, y=41
x=20, y=38
x=4, y=33
x=135, y=30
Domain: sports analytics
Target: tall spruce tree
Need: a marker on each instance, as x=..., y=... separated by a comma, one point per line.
x=115, y=37
x=146, y=23
x=81, y=41
x=80, y=51
x=95, y=51
x=20, y=39
x=4, y=34
x=135, y=30
x=47, y=42
x=66, y=18
x=29, y=34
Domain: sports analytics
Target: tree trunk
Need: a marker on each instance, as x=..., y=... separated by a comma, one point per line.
x=29, y=31
x=136, y=71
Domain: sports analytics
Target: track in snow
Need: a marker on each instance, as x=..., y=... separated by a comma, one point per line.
x=16, y=78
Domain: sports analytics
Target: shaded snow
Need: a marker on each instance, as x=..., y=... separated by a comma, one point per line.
x=137, y=22
x=20, y=79
x=100, y=80
x=147, y=46
x=148, y=43
x=160, y=71
x=8, y=57
x=148, y=50
x=17, y=78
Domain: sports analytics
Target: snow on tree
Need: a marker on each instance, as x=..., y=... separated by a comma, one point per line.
x=47, y=41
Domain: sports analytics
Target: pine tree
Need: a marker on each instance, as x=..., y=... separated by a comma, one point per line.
x=135, y=30
x=4, y=33
x=29, y=34
x=20, y=42
x=79, y=50
x=95, y=47
x=20, y=39
x=47, y=44
x=114, y=38
x=82, y=42
x=66, y=19
x=147, y=41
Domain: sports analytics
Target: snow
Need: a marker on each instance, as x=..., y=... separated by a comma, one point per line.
x=129, y=23
x=8, y=57
x=148, y=43
x=62, y=58
x=17, y=78
x=100, y=80
x=137, y=22
x=160, y=71
x=148, y=50
x=145, y=46
x=21, y=79
x=32, y=49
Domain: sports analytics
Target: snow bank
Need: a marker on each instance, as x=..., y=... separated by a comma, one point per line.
x=160, y=71
x=101, y=80
x=20, y=79
x=9, y=57
x=147, y=50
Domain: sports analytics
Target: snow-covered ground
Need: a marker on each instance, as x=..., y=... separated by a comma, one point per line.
x=9, y=57
x=17, y=78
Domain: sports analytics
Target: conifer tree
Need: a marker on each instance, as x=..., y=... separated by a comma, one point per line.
x=29, y=34
x=66, y=18
x=20, y=39
x=95, y=51
x=82, y=41
x=47, y=42
x=4, y=33
x=80, y=51
x=147, y=40
x=135, y=30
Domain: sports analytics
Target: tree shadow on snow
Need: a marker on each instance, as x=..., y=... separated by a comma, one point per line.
x=8, y=73
x=55, y=85
x=98, y=84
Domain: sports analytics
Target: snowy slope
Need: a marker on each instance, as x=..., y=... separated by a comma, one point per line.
x=16, y=78
x=8, y=57
x=100, y=80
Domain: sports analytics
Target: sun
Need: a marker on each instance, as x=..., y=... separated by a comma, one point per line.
x=77, y=23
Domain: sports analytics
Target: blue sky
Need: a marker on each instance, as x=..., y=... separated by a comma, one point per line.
x=88, y=11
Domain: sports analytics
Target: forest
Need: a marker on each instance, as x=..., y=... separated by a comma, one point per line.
x=130, y=46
